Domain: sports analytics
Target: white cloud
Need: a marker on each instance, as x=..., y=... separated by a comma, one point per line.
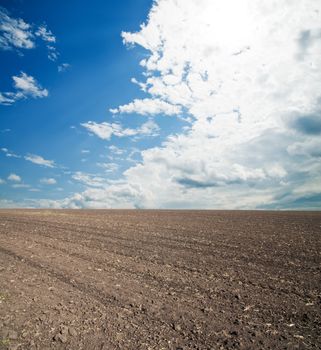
x=310, y=148
x=63, y=67
x=149, y=128
x=14, y=177
x=45, y=34
x=118, y=195
x=247, y=73
x=36, y=159
x=7, y=203
x=102, y=130
x=2, y=181
x=7, y=98
x=26, y=86
x=105, y=130
x=148, y=106
x=89, y=179
x=116, y=150
x=108, y=167
x=48, y=181
x=20, y=186
x=34, y=190
x=52, y=53
x=9, y=154
x=15, y=33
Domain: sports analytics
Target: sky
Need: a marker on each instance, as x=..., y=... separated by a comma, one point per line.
x=164, y=104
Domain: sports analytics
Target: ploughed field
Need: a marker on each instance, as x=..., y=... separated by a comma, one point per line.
x=122, y=279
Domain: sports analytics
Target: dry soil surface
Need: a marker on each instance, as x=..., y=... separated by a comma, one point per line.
x=121, y=279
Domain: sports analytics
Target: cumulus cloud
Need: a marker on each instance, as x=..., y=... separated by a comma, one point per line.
x=148, y=106
x=247, y=74
x=119, y=195
x=15, y=33
x=25, y=86
x=308, y=148
x=36, y=159
x=105, y=130
x=14, y=177
x=45, y=34
x=48, y=181
x=28, y=86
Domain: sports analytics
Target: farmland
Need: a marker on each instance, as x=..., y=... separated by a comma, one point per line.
x=157, y=279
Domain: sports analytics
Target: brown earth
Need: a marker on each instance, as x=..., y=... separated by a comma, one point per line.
x=121, y=279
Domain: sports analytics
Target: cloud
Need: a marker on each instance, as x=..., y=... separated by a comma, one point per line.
x=105, y=130
x=9, y=154
x=307, y=39
x=108, y=167
x=308, y=148
x=150, y=128
x=63, y=67
x=52, y=53
x=148, y=106
x=2, y=181
x=20, y=186
x=116, y=150
x=89, y=179
x=36, y=159
x=34, y=190
x=252, y=136
x=118, y=195
x=307, y=124
x=7, y=203
x=48, y=181
x=8, y=98
x=26, y=86
x=15, y=33
x=14, y=177
x=247, y=74
x=45, y=34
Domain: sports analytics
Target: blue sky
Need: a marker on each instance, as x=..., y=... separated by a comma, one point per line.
x=167, y=104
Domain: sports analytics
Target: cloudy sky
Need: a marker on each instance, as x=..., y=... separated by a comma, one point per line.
x=161, y=104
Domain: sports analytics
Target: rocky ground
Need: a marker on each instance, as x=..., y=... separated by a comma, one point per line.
x=120, y=279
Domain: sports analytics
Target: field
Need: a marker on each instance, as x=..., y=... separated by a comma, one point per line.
x=121, y=279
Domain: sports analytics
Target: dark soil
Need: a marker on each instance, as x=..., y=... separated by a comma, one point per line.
x=121, y=279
